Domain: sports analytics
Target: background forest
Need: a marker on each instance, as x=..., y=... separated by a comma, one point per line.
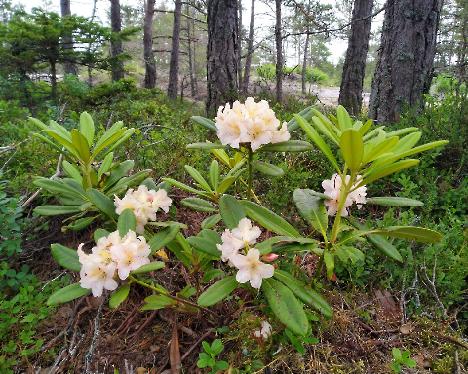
x=158, y=66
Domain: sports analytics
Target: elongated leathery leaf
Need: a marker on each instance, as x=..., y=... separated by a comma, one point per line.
x=285, y=306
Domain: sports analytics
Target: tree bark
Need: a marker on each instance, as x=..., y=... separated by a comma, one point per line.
x=222, y=53
x=407, y=48
x=352, y=79
x=191, y=56
x=90, y=67
x=148, y=55
x=304, y=63
x=239, y=55
x=279, y=53
x=65, y=11
x=250, y=51
x=174, y=64
x=116, y=43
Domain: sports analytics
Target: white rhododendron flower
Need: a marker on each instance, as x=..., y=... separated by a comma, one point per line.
x=242, y=236
x=110, y=255
x=246, y=232
x=96, y=275
x=130, y=254
x=251, y=269
x=144, y=203
x=332, y=188
x=264, y=332
x=251, y=122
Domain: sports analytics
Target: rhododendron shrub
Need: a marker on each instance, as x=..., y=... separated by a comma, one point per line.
x=243, y=244
x=91, y=174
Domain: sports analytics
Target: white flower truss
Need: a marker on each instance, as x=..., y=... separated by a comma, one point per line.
x=264, y=332
x=144, y=203
x=250, y=268
x=251, y=122
x=332, y=189
x=110, y=255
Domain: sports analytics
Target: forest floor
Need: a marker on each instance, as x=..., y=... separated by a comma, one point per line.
x=86, y=336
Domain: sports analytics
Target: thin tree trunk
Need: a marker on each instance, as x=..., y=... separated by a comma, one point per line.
x=174, y=64
x=116, y=43
x=352, y=79
x=190, y=54
x=148, y=54
x=304, y=63
x=194, y=54
x=407, y=48
x=239, y=55
x=68, y=67
x=279, y=53
x=53, y=79
x=222, y=53
x=90, y=67
x=250, y=51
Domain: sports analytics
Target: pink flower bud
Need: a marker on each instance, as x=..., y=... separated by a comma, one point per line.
x=270, y=257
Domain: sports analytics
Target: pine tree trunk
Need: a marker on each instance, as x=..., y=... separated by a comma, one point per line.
x=407, y=48
x=148, y=55
x=68, y=67
x=53, y=79
x=352, y=79
x=250, y=51
x=304, y=63
x=193, y=91
x=174, y=64
x=222, y=53
x=279, y=53
x=116, y=43
x=239, y=55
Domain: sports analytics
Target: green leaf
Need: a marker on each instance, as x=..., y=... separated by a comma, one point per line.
x=205, y=242
x=152, y=266
x=387, y=170
x=217, y=347
x=55, y=210
x=225, y=184
x=269, y=220
x=287, y=146
x=87, y=127
x=72, y=171
x=420, y=234
x=231, y=210
x=329, y=263
x=163, y=237
x=285, y=306
x=306, y=294
x=65, y=257
x=214, y=174
x=127, y=222
x=198, y=204
x=317, y=139
x=305, y=113
x=212, y=274
x=183, y=186
x=393, y=201
x=344, y=120
x=218, y=291
x=197, y=177
x=80, y=223
x=205, y=145
x=102, y=202
x=352, y=148
x=268, y=169
x=105, y=165
x=100, y=233
x=387, y=248
x=210, y=221
x=58, y=186
x=205, y=122
x=156, y=302
x=81, y=144
x=119, y=296
x=374, y=151
x=66, y=294
x=312, y=209
x=118, y=172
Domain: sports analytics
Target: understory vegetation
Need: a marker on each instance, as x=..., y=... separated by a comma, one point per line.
x=387, y=314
